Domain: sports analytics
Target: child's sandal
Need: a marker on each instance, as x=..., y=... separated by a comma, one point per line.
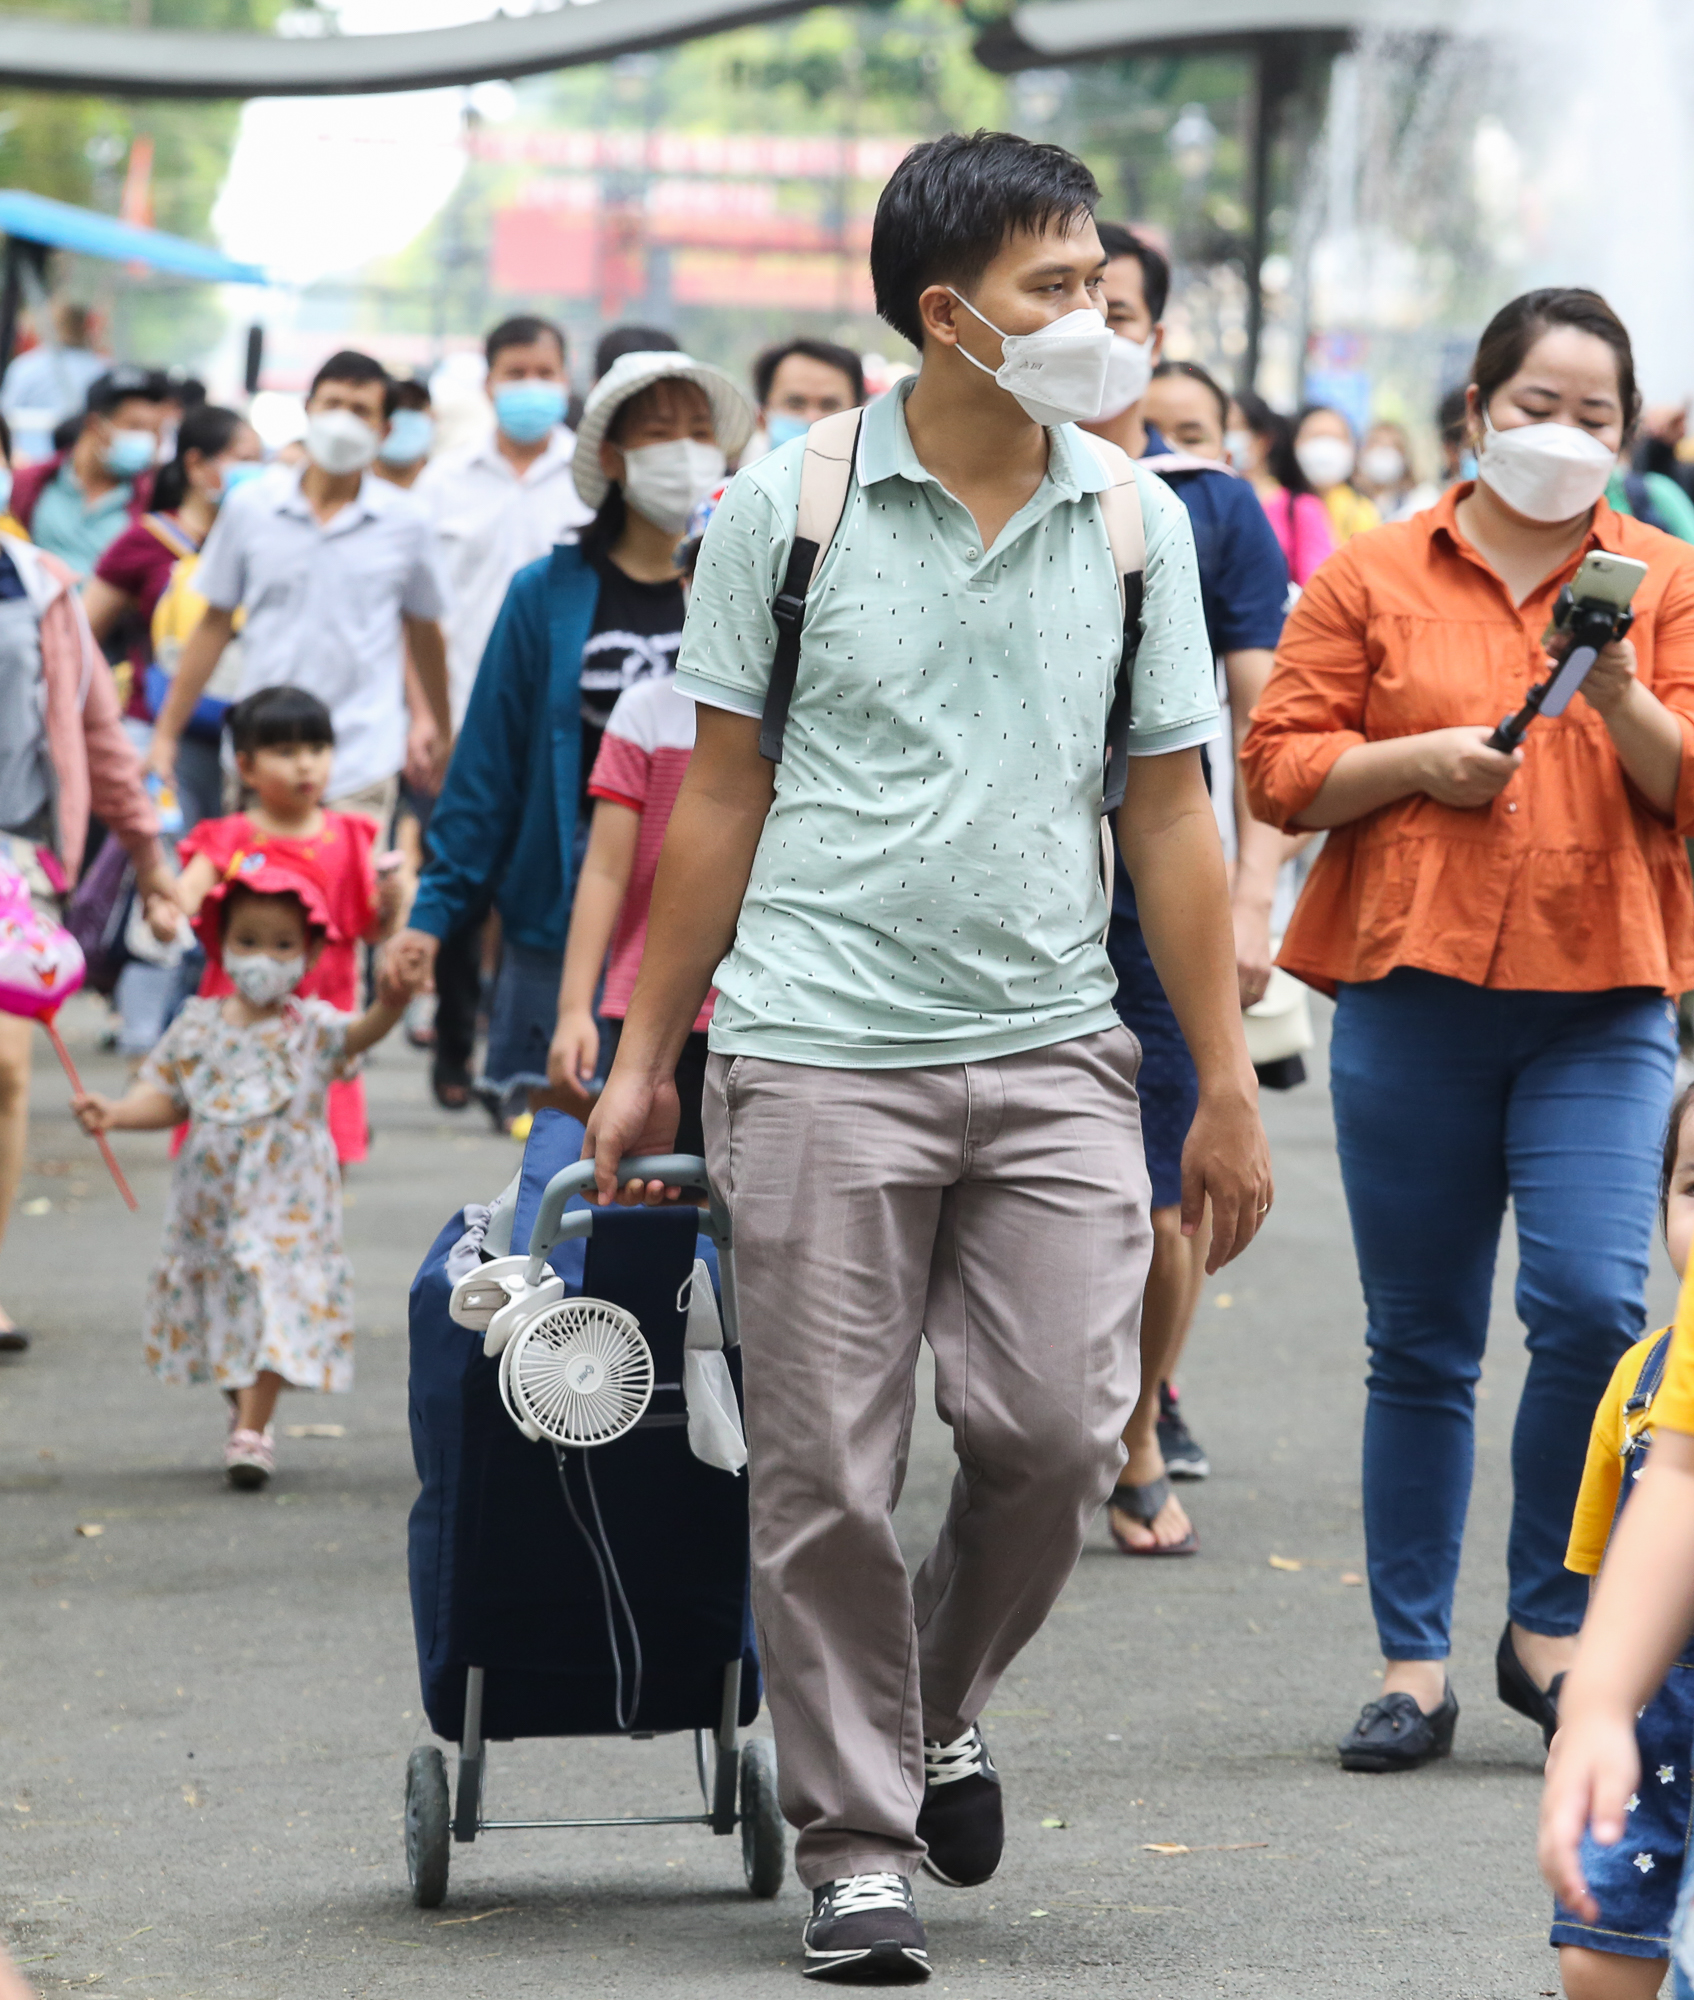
x=249, y=1459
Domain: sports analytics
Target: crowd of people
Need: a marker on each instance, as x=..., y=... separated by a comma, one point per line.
x=570, y=747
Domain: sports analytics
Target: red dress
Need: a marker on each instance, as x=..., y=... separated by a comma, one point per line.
x=340, y=856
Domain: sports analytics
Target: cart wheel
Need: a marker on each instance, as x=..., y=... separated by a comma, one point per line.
x=764, y=1832
x=427, y=1815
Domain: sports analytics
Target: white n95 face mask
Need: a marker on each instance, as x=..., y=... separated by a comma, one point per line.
x=1545, y=472
x=1058, y=374
x=1326, y=461
x=666, y=482
x=1129, y=368
x=338, y=442
x=260, y=979
x=1383, y=464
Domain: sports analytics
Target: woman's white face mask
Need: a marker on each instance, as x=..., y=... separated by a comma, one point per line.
x=666, y=482
x=1545, y=472
x=1056, y=375
x=1326, y=461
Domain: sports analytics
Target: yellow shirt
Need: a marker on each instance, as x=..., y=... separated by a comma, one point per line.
x=1350, y=513
x=1673, y=1407
x=1602, y=1473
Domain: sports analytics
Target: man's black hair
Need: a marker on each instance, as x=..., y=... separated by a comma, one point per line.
x=1191, y=371
x=842, y=359
x=951, y=205
x=405, y=393
x=618, y=341
x=348, y=366
x=276, y=718
x=126, y=385
x=1117, y=241
x=524, y=331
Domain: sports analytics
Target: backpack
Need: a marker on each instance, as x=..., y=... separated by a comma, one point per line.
x=826, y=474
x=179, y=609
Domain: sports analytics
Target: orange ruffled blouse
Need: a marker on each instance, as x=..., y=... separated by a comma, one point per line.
x=1568, y=881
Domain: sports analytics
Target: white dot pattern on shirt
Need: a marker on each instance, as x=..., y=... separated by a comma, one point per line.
x=940, y=787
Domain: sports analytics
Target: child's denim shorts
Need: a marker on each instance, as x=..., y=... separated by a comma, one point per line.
x=1635, y=1883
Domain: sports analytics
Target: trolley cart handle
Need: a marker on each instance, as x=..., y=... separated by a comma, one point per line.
x=684, y=1170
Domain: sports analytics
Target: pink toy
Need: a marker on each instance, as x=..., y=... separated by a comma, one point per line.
x=41, y=966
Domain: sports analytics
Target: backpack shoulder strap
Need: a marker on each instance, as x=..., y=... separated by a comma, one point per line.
x=167, y=532
x=1647, y=1382
x=1120, y=503
x=826, y=475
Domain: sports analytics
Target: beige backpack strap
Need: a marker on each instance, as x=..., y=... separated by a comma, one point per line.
x=1120, y=503
x=826, y=475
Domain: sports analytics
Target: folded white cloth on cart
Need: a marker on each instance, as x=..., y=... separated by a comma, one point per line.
x=715, y=1435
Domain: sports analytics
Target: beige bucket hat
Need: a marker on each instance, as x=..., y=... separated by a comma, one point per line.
x=732, y=414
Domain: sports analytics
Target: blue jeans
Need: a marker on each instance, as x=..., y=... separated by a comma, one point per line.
x=1448, y=1098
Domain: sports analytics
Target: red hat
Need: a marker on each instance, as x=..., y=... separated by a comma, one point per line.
x=265, y=874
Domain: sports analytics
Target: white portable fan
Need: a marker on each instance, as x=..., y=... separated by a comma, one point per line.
x=578, y=1373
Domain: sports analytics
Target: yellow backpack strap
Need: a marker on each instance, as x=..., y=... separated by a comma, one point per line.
x=1120, y=504
x=826, y=476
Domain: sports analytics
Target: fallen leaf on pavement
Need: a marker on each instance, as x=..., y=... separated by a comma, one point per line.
x=1285, y=1562
x=1351, y=1576
x=90, y=1528
x=1224, y=1299
x=1052, y=1822
x=314, y=1430
x=39, y=1206
x=1216, y=1847
x=505, y=1910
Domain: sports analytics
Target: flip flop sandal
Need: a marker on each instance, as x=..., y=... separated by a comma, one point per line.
x=1145, y=1504
x=14, y=1340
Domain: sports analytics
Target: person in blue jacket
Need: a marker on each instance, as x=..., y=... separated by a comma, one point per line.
x=1243, y=592
x=588, y=620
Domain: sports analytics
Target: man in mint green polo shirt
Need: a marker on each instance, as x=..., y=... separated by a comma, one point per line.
x=921, y=1105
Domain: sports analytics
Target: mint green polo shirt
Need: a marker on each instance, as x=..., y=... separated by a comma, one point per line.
x=927, y=885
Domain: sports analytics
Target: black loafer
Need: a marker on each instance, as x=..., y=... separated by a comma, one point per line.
x=1518, y=1690
x=14, y=1341
x=1394, y=1734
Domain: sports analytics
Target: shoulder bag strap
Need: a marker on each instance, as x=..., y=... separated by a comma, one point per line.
x=826, y=475
x=1120, y=503
x=171, y=535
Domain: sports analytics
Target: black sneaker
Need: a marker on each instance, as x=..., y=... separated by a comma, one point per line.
x=1184, y=1455
x=1394, y=1734
x=962, y=1818
x=865, y=1931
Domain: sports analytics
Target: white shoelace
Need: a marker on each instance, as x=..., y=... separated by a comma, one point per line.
x=946, y=1763
x=869, y=1892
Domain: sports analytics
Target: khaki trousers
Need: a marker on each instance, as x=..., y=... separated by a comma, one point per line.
x=998, y=1210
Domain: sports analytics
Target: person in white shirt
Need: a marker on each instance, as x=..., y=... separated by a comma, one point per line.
x=332, y=567
x=504, y=501
x=50, y=382
x=497, y=505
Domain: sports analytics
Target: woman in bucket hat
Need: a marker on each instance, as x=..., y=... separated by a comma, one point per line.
x=591, y=619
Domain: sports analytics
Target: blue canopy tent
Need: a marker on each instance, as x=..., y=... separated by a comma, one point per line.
x=33, y=224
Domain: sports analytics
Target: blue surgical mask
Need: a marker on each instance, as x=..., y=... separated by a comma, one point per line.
x=238, y=473
x=128, y=454
x=411, y=433
x=527, y=411
x=782, y=427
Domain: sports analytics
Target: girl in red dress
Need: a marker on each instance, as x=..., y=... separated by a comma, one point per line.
x=284, y=745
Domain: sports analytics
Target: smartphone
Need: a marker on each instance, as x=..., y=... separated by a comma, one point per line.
x=1607, y=579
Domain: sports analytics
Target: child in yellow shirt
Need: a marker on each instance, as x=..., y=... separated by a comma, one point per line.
x=1616, y=1884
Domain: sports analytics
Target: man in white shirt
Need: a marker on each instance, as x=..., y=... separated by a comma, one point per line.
x=331, y=566
x=505, y=501
x=498, y=505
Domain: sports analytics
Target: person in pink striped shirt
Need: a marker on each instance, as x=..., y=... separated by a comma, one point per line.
x=637, y=774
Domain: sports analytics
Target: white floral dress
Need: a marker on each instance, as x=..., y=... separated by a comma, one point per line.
x=251, y=1273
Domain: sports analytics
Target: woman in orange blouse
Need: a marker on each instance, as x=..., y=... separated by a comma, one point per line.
x=1500, y=933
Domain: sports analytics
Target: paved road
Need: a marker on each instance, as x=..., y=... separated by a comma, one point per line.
x=208, y=1705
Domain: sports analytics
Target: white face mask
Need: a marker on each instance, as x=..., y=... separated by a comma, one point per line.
x=1545, y=472
x=1057, y=375
x=666, y=482
x=1238, y=448
x=1383, y=464
x=338, y=442
x=1129, y=368
x=260, y=979
x=1326, y=461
